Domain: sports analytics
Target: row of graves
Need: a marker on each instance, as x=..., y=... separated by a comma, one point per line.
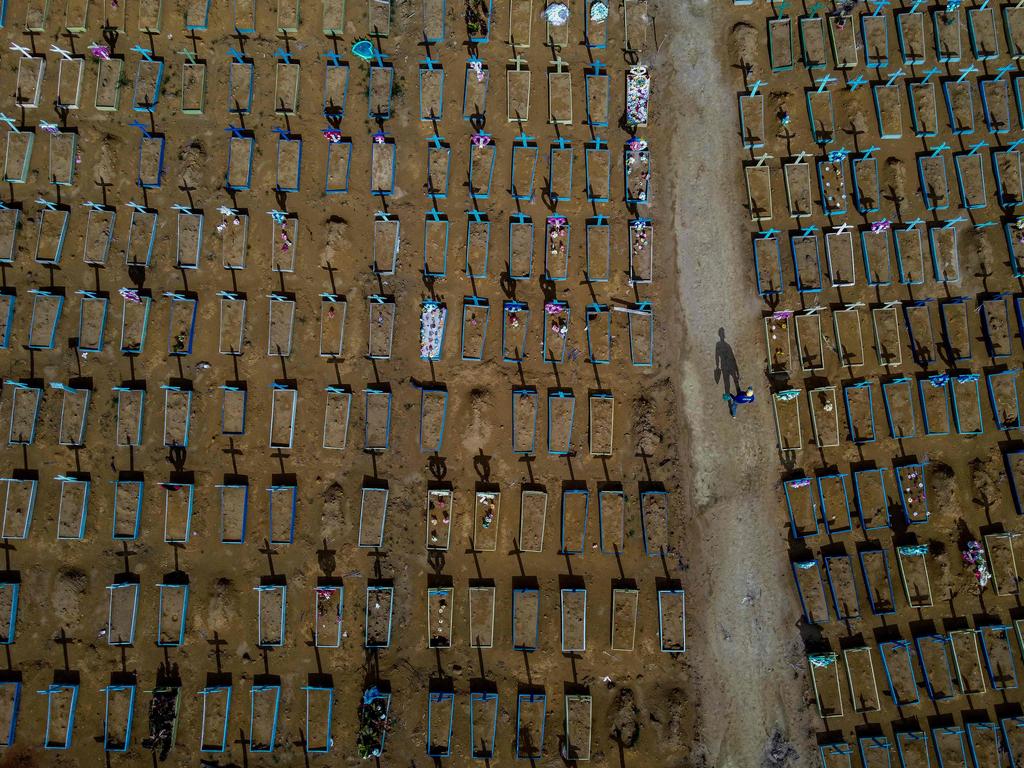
x=883, y=182
x=50, y=221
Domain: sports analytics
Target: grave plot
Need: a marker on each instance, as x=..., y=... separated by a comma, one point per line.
x=842, y=269
x=118, y=717
x=640, y=326
x=797, y=176
x=474, y=90
x=824, y=673
x=981, y=28
x=598, y=326
x=802, y=505
x=946, y=24
x=525, y=618
x=654, y=520
x=328, y=612
x=913, y=749
x=386, y=241
x=128, y=498
x=264, y=709
x=886, y=327
x=122, y=611
x=18, y=156
x=597, y=166
x=63, y=148
x=286, y=85
x=835, y=503
x=319, y=714
x=517, y=92
x=109, y=73
x=1009, y=178
x=439, y=512
x=19, y=506
x=439, y=161
x=918, y=318
x=768, y=265
x=533, y=505
x=482, y=156
x=243, y=16
x=889, y=109
x=998, y=652
x=234, y=239
x=234, y=507
x=379, y=607
x=910, y=480
x=1013, y=734
x=759, y=192
x=173, y=608
x=10, y=224
x=995, y=325
x=25, y=403
x=786, y=405
x=7, y=301
x=597, y=242
x=780, y=44
x=1013, y=22
x=130, y=401
x=842, y=587
x=573, y=620
x=672, y=620
x=924, y=111
x=440, y=719
x=272, y=605
x=431, y=87
x=898, y=397
x=433, y=412
x=336, y=75
x=380, y=88
x=182, y=312
x=281, y=321
x=435, y=248
x=956, y=330
x=561, y=414
x=234, y=406
x=514, y=326
x=284, y=399
x=193, y=86
x=877, y=258
x=554, y=339
x=578, y=726
x=935, y=407
x=951, y=745
x=574, y=513
x=559, y=94
x=900, y=680
x=142, y=228
x=966, y=391
x=440, y=610
x=874, y=565
x=909, y=244
x=232, y=322
x=241, y=151
x=623, y=618
x=336, y=417
x=524, y=167
x=333, y=310
x=611, y=508
x=601, y=422
x=377, y=418
x=73, y=506
x=373, y=513
x=381, y=311
x=641, y=251
x=189, y=241
x=289, y=164
x=383, y=161
x=984, y=742
x=807, y=262
x=241, y=79
x=74, y=411
x=913, y=566
x=380, y=17
x=996, y=109
x=833, y=187
x=61, y=706
x=752, y=120
x=149, y=75
x=1003, y=563
x=959, y=98
x=283, y=502
x=531, y=713
x=29, y=87
x=970, y=674
x=1014, y=461
x=481, y=614
x=934, y=656
x=70, y=72
x=849, y=337
x=475, y=316
x=520, y=247
x=1004, y=399
x=810, y=590
x=483, y=718
x=486, y=509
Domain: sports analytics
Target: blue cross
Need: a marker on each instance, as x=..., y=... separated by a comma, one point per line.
x=953, y=222
x=965, y=72
x=282, y=133
x=282, y=54
x=238, y=56
x=189, y=56
x=976, y=147
x=436, y=141
x=9, y=121
x=813, y=10
x=929, y=73
x=145, y=53
x=824, y=81
x=869, y=151
x=755, y=85
x=984, y=224
x=141, y=127
x=1014, y=144
x=914, y=222
x=523, y=140
x=894, y=77
x=769, y=233
x=334, y=58
x=809, y=231
x=857, y=82
x=1003, y=70
x=47, y=204
x=936, y=151
x=879, y=5
x=235, y=131
x=916, y=4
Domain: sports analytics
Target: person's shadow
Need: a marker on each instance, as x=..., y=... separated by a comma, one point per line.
x=726, y=368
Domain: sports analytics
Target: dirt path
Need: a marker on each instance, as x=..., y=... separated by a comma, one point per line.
x=746, y=654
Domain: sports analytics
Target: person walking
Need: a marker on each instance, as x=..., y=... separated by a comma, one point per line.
x=740, y=398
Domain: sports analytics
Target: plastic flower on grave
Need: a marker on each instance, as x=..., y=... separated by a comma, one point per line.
x=480, y=140
x=636, y=145
x=101, y=52
x=881, y=226
x=598, y=10
x=379, y=137
x=557, y=14
x=332, y=135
